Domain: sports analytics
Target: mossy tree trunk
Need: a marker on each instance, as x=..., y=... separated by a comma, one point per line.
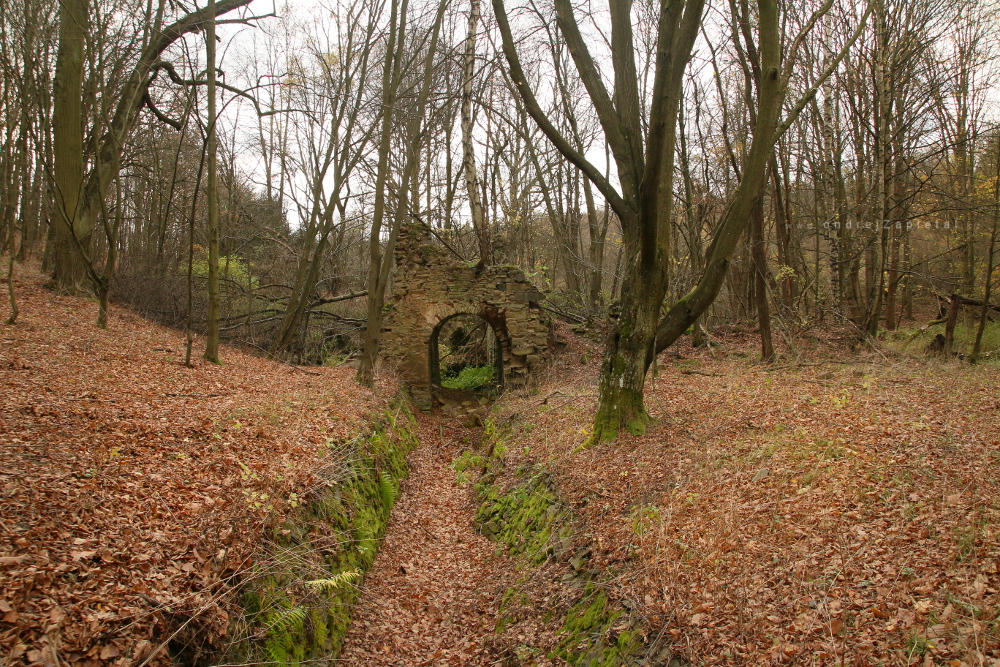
x=644, y=163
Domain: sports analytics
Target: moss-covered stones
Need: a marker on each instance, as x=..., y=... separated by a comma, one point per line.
x=298, y=601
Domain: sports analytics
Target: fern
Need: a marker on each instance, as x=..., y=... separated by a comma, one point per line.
x=388, y=489
x=286, y=619
x=334, y=582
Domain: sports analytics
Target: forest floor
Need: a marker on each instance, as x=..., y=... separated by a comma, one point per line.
x=832, y=508
x=133, y=489
x=841, y=508
x=431, y=596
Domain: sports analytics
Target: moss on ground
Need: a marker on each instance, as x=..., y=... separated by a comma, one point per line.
x=298, y=602
x=597, y=633
x=528, y=516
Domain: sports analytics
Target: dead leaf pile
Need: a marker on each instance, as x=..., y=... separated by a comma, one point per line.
x=132, y=489
x=841, y=511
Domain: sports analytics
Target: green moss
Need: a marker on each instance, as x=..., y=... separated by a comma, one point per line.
x=337, y=532
x=524, y=516
x=595, y=633
x=530, y=519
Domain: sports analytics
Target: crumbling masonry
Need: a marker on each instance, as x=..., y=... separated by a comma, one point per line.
x=432, y=286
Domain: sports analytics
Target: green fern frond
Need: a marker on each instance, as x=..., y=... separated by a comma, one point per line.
x=286, y=619
x=334, y=582
x=388, y=488
x=276, y=653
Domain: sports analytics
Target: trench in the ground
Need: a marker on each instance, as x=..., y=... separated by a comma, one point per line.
x=430, y=596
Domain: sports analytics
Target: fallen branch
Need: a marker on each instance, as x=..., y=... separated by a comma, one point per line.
x=569, y=316
x=688, y=371
x=334, y=299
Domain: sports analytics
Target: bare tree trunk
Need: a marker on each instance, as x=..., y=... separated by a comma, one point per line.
x=949, y=326
x=990, y=258
x=390, y=79
x=468, y=152
x=381, y=264
x=111, y=231
x=10, y=288
x=189, y=328
x=71, y=229
x=212, y=195
x=759, y=281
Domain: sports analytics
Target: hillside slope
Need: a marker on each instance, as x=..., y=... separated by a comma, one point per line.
x=134, y=489
x=841, y=510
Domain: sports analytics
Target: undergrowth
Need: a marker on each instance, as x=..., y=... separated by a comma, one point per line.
x=297, y=601
x=471, y=378
x=914, y=340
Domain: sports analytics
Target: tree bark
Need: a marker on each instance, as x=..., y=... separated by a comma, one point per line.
x=212, y=196
x=760, y=283
x=73, y=226
x=381, y=263
x=468, y=153
x=390, y=79
x=990, y=258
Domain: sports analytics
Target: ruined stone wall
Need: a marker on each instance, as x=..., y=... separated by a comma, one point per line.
x=432, y=285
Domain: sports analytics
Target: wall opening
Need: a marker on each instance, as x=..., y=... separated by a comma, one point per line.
x=465, y=353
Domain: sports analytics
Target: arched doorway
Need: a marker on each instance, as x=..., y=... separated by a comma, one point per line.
x=466, y=353
x=431, y=288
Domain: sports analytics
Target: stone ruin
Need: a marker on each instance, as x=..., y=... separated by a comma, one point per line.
x=431, y=287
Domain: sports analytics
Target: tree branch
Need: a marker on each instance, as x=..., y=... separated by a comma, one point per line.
x=535, y=111
x=163, y=118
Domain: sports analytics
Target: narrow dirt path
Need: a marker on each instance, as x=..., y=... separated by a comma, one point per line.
x=429, y=597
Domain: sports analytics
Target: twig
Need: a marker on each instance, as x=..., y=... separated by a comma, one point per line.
x=688, y=371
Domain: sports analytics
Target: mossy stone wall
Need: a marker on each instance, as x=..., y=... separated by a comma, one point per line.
x=298, y=601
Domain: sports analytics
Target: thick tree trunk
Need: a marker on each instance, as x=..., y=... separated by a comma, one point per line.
x=628, y=353
x=72, y=227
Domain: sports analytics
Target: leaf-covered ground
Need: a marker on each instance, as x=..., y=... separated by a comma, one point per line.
x=430, y=598
x=836, y=511
x=842, y=509
x=132, y=489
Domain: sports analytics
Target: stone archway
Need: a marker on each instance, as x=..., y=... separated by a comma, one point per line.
x=488, y=352
x=432, y=286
